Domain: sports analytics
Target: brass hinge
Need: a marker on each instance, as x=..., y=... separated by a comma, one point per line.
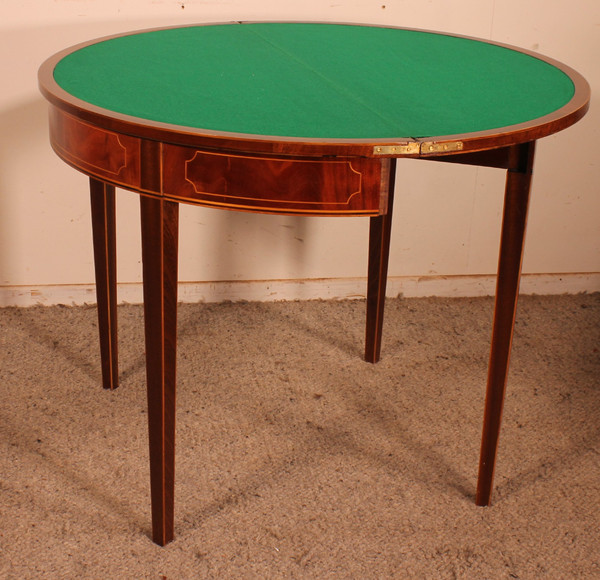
x=431, y=147
x=404, y=149
x=425, y=148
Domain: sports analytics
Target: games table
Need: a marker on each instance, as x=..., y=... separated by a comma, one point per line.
x=292, y=118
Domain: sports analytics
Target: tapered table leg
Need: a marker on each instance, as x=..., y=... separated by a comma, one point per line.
x=102, y=198
x=379, y=251
x=518, y=182
x=159, y=254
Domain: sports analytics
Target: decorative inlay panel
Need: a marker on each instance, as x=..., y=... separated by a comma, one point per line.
x=96, y=151
x=288, y=185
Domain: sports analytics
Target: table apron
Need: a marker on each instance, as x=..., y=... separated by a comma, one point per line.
x=186, y=174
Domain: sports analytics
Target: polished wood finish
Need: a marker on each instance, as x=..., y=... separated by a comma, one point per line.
x=273, y=184
x=269, y=184
x=102, y=198
x=514, y=221
x=380, y=229
x=168, y=164
x=106, y=155
x=498, y=158
x=159, y=256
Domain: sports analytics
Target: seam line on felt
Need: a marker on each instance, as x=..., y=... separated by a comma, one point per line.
x=343, y=91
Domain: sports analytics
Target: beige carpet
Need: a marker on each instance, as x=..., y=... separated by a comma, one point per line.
x=295, y=458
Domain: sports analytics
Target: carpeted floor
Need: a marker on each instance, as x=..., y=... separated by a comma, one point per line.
x=295, y=458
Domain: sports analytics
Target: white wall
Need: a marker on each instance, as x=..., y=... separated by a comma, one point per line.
x=447, y=218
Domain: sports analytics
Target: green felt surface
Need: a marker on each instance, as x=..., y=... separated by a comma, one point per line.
x=314, y=81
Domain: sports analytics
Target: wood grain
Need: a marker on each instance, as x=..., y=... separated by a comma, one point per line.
x=271, y=184
x=514, y=222
x=102, y=198
x=159, y=256
x=379, y=252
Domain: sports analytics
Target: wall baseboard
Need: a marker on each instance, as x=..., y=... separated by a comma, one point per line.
x=308, y=289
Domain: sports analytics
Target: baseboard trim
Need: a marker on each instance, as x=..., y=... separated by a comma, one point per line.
x=308, y=289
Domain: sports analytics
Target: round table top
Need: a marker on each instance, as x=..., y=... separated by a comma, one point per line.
x=317, y=81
